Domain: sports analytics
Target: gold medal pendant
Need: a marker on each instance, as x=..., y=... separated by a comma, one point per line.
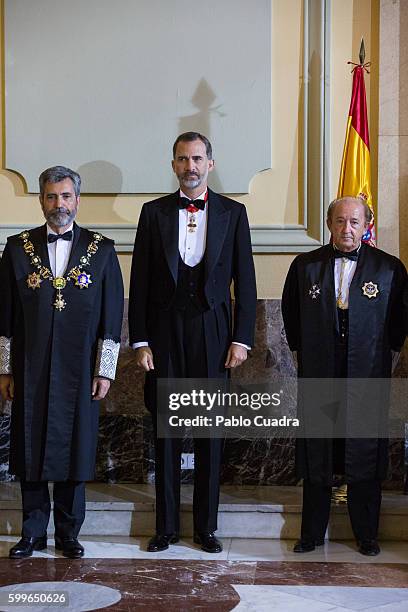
x=59, y=283
x=59, y=303
x=339, y=301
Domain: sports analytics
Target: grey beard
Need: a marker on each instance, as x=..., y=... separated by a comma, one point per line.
x=61, y=218
x=191, y=183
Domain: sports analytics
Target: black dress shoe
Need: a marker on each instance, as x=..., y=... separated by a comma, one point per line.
x=304, y=546
x=26, y=546
x=70, y=547
x=369, y=548
x=161, y=542
x=209, y=543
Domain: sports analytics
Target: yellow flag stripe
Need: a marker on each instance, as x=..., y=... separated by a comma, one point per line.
x=355, y=174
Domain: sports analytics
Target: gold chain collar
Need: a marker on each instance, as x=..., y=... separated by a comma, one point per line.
x=81, y=278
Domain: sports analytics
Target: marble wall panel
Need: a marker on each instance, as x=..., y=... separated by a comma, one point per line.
x=259, y=462
x=120, y=449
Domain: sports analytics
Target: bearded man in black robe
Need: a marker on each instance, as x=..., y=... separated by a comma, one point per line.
x=60, y=320
x=342, y=308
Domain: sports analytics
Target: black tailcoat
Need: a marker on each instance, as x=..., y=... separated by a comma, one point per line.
x=54, y=425
x=376, y=328
x=153, y=282
x=187, y=322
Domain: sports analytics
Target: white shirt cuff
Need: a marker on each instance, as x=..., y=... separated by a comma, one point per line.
x=248, y=348
x=137, y=345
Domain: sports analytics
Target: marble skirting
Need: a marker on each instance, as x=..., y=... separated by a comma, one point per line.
x=126, y=450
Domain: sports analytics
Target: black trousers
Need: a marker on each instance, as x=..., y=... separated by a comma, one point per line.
x=69, y=508
x=187, y=359
x=363, y=498
x=363, y=501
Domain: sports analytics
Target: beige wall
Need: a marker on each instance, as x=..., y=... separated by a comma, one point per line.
x=393, y=127
x=273, y=196
x=402, y=170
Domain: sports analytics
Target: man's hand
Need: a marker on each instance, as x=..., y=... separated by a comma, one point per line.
x=144, y=358
x=236, y=355
x=7, y=386
x=100, y=387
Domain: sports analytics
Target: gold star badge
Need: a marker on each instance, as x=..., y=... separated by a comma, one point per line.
x=370, y=289
x=83, y=280
x=34, y=280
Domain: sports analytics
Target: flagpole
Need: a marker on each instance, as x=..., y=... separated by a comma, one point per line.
x=355, y=172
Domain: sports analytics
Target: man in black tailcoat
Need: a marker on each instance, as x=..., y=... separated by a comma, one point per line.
x=189, y=247
x=343, y=314
x=60, y=320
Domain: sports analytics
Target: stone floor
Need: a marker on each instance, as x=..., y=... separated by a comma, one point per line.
x=186, y=584
x=251, y=574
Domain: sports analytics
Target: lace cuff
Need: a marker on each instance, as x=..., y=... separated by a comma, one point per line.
x=5, y=355
x=107, y=358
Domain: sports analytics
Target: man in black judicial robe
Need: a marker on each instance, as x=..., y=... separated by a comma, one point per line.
x=180, y=319
x=60, y=320
x=343, y=316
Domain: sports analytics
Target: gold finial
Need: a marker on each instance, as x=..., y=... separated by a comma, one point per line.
x=362, y=53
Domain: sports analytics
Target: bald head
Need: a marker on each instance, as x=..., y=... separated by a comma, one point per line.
x=356, y=200
x=348, y=219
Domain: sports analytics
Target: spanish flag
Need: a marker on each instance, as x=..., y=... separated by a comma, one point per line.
x=355, y=174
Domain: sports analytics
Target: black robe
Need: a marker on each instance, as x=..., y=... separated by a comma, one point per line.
x=376, y=327
x=55, y=355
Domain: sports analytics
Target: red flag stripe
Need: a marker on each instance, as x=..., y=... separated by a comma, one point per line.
x=358, y=106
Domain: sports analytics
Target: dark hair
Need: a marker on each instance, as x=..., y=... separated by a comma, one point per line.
x=368, y=213
x=56, y=174
x=189, y=137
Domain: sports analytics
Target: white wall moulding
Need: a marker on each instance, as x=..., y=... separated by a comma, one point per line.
x=316, y=117
x=109, y=85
